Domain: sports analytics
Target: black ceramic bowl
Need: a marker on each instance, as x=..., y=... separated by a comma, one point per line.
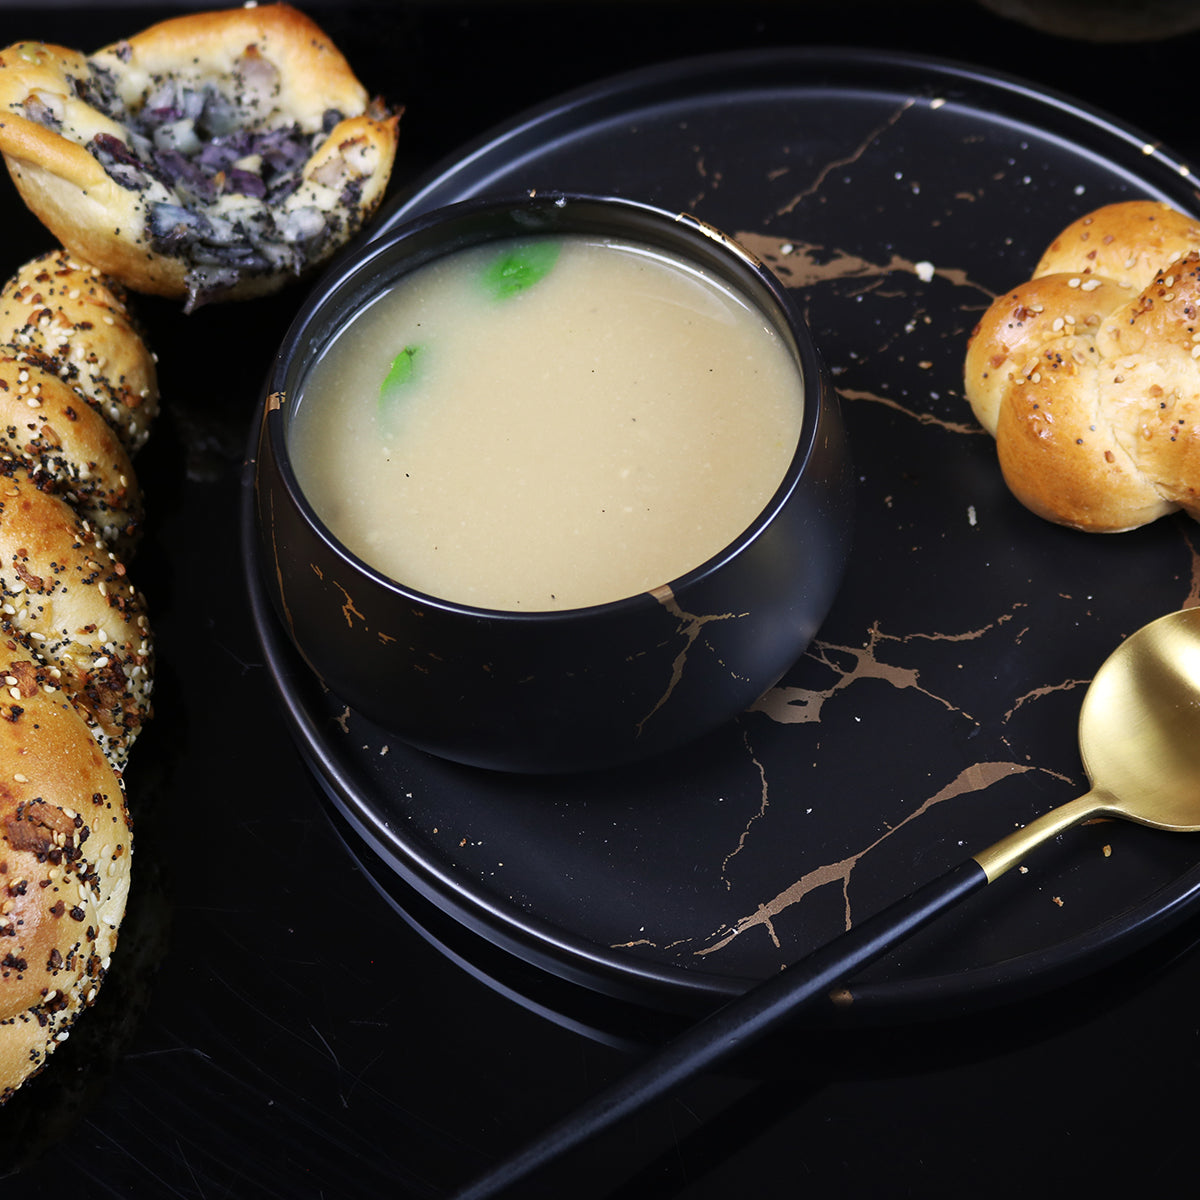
x=566, y=690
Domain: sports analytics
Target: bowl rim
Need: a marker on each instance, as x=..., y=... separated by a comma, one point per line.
x=356, y=263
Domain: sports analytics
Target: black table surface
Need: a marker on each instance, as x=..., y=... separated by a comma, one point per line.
x=274, y=1027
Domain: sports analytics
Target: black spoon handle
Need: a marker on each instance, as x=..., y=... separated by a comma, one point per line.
x=734, y=1026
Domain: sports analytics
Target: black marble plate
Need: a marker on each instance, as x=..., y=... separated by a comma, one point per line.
x=938, y=707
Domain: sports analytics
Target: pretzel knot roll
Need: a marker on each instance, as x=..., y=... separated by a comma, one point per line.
x=212, y=156
x=64, y=868
x=1088, y=374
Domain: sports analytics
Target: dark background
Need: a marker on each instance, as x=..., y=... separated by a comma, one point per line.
x=272, y=1028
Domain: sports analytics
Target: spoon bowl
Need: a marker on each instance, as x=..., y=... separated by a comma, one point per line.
x=1137, y=726
x=1138, y=729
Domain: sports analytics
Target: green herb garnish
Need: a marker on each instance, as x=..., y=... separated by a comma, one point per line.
x=398, y=374
x=518, y=269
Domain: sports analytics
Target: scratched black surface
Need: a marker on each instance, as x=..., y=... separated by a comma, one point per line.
x=275, y=1027
x=677, y=881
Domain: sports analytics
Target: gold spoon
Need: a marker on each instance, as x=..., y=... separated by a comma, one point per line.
x=1139, y=736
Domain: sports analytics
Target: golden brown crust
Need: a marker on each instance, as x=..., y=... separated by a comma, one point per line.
x=1088, y=374
x=64, y=869
x=281, y=71
x=1009, y=338
x=69, y=447
x=317, y=77
x=1061, y=457
x=1127, y=242
x=33, y=72
x=68, y=318
x=68, y=596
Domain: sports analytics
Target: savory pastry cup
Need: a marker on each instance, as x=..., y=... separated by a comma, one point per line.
x=214, y=156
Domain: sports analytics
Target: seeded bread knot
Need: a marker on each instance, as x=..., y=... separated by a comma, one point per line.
x=1088, y=374
x=77, y=397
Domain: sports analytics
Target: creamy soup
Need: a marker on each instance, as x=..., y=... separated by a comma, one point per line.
x=547, y=424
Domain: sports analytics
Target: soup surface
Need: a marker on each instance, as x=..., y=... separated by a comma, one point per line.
x=547, y=424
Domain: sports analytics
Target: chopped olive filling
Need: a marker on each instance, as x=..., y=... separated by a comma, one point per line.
x=216, y=164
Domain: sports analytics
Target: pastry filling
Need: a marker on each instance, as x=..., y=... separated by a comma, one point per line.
x=220, y=171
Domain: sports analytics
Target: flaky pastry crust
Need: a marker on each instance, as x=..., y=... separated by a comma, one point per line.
x=213, y=156
x=1088, y=374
